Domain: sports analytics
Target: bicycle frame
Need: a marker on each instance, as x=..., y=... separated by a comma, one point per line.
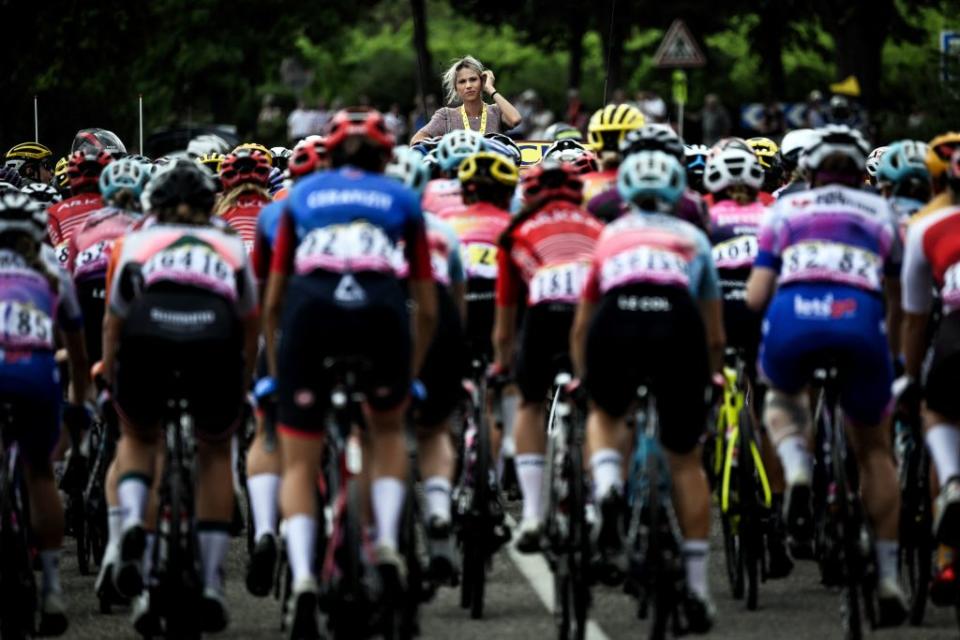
x=728, y=436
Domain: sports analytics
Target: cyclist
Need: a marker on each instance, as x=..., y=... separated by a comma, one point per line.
x=695, y=158
x=939, y=152
x=562, y=131
x=605, y=133
x=333, y=290
x=791, y=149
x=873, y=164
x=651, y=308
x=929, y=263
x=768, y=154
x=42, y=192
x=95, y=140
x=570, y=151
x=60, y=179
x=38, y=301
x=244, y=175
x=263, y=460
x=64, y=218
x=442, y=196
x=181, y=298
x=904, y=179
x=734, y=178
x=542, y=258
x=442, y=369
x=822, y=255
x=31, y=160
x=10, y=180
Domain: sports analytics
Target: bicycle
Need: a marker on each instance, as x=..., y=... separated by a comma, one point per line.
x=842, y=539
x=102, y=442
x=566, y=529
x=656, y=570
x=478, y=508
x=743, y=489
x=18, y=589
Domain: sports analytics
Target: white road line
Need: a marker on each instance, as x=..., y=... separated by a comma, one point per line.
x=535, y=569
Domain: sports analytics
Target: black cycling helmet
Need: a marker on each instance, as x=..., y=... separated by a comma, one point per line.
x=98, y=140
x=653, y=137
x=22, y=214
x=180, y=182
x=511, y=147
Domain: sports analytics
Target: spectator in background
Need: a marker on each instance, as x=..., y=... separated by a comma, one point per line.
x=772, y=124
x=540, y=119
x=813, y=113
x=576, y=114
x=420, y=117
x=300, y=123
x=395, y=121
x=526, y=107
x=653, y=107
x=270, y=119
x=715, y=120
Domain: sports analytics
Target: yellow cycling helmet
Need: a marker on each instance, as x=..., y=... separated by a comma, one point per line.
x=487, y=166
x=28, y=151
x=255, y=146
x=60, y=173
x=613, y=118
x=939, y=152
x=211, y=161
x=765, y=149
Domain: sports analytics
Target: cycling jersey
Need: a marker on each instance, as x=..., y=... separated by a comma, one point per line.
x=932, y=259
x=652, y=248
x=64, y=218
x=904, y=209
x=479, y=227
x=445, y=261
x=548, y=254
x=443, y=197
x=595, y=184
x=608, y=205
x=833, y=234
x=90, y=246
x=349, y=221
x=264, y=236
x=242, y=216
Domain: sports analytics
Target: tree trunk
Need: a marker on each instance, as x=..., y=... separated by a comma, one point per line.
x=614, y=32
x=769, y=40
x=424, y=61
x=576, y=28
x=859, y=31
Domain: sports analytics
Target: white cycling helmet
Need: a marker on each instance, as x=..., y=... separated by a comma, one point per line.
x=456, y=146
x=565, y=150
x=652, y=175
x=206, y=144
x=873, y=161
x=732, y=167
x=794, y=144
x=408, y=167
x=835, y=139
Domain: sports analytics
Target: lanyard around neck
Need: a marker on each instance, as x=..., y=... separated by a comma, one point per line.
x=483, y=119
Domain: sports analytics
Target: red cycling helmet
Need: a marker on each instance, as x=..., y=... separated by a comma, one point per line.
x=245, y=166
x=309, y=155
x=84, y=168
x=552, y=180
x=359, y=121
x=585, y=163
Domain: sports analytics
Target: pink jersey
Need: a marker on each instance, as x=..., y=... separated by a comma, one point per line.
x=89, y=248
x=443, y=198
x=479, y=228
x=733, y=232
x=242, y=217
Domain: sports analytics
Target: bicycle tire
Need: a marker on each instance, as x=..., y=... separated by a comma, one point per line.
x=917, y=545
x=732, y=556
x=751, y=538
x=345, y=616
x=562, y=595
x=849, y=539
x=78, y=514
x=18, y=593
x=662, y=608
x=578, y=555
x=482, y=497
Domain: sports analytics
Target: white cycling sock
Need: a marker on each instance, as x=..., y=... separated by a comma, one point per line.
x=388, y=494
x=795, y=458
x=50, y=562
x=214, y=539
x=436, y=490
x=530, y=478
x=606, y=465
x=888, y=558
x=146, y=565
x=264, y=490
x=115, y=518
x=132, y=492
x=301, y=533
x=943, y=441
x=695, y=555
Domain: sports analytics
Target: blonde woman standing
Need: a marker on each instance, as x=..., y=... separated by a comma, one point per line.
x=465, y=82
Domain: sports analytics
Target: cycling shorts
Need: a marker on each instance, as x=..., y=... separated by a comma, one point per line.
x=181, y=344
x=481, y=307
x=811, y=324
x=544, y=348
x=943, y=378
x=644, y=333
x=91, y=292
x=31, y=386
x=443, y=369
x=327, y=316
x=741, y=325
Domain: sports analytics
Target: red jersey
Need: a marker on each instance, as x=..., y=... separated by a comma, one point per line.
x=64, y=218
x=443, y=197
x=479, y=227
x=90, y=247
x=242, y=217
x=549, y=255
x=763, y=198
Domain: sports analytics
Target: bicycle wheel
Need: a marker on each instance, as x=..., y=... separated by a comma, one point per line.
x=916, y=542
x=730, y=523
x=483, y=494
x=849, y=536
x=578, y=555
x=750, y=533
x=346, y=617
x=18, y=595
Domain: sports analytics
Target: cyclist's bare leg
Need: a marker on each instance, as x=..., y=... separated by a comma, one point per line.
x=137, y=451
x=46, y=519
x=388, y=470
x=214, y=509
x=437, y=462
x=263, y=482
x=606, y=436
x=531, y=444
x=691, y=499
x=300, y=457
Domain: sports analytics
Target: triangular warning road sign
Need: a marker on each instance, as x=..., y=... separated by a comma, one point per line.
x=678, y=48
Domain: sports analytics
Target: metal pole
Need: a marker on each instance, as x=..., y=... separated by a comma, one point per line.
x=680, y=118
x=606, y=79
x=36, y=120
x=141, y=123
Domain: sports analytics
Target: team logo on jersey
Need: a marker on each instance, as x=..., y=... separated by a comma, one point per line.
x=825, y=308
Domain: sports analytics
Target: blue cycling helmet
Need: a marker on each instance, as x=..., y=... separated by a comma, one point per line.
x=125, y=173
x=652, y=176
x=457, y=146
x=903, y=159
x=504, y=145
x=408, y=166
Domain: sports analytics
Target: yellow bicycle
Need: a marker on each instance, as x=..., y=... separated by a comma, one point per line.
x=743, y=490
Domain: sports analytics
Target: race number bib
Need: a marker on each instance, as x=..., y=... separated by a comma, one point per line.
x=355, y=246
x=644, y=264
x=439, y=265
x=558, y=283
x=24, y=326
x=817, y=260
x=735, y=253
x=92, y=258
x=63, y=252
x=192, y=264
x=480, y=260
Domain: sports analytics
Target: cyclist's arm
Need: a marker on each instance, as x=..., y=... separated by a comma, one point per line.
x=578, y=335
x=76, y=346
x=712, y=312
x=760, y=287
x=505, y=316
x=916, y=288
x=112, y=325
x=914, y=342
x=281, y=266
x=894, y=315
x=423, y=288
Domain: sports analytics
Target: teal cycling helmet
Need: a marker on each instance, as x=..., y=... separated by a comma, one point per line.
x=903, y=159
x=652, y=176
x=408, y=166
x=127, y=173
x=457, y=146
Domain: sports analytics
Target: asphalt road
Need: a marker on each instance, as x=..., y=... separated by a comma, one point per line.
x=797, y=607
